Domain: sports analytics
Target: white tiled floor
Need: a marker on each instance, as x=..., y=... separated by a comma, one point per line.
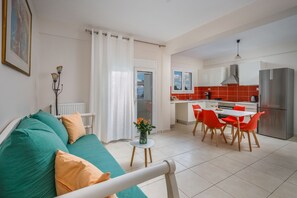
x=204, y=170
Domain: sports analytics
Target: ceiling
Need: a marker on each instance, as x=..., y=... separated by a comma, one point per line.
x=155, y=20
x=272, y=34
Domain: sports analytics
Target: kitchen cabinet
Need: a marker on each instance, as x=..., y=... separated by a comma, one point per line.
x=211, y=104
x=249, y=73
x=172, y=114
x=212, y=77
x=185, y=113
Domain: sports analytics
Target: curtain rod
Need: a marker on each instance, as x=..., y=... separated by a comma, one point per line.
x=126, y=38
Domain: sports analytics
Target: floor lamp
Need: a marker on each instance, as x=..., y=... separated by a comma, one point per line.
x=56, y=85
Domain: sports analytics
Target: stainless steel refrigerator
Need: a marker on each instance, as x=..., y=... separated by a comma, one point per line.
x=277, y=100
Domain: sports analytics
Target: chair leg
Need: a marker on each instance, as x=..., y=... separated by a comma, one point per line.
x=236, y=134
x=211, y=134
x=249, y=138
x=222, y=132
x=256, y=139
x=202, y=126
x=204, y=134
x=224, y=127
x=194, y=130
x=232, y=132
x=216, y=137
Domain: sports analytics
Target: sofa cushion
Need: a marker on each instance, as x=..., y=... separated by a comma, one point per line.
x=74, y=125
x=52, y=122
x=90, y=148
x=27, y=161
x=73, y=173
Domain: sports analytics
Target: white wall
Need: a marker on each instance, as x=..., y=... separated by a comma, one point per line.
x=67, y=45
x=285, y=55
x=18, y=91
x=183, y=62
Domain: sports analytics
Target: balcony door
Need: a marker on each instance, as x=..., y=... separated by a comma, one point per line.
x=145, y=95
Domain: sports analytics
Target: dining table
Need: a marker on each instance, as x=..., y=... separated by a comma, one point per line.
x=234, y=113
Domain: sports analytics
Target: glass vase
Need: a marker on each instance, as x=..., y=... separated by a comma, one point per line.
x=143, y=138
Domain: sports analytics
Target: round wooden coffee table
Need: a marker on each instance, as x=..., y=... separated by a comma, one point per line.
x=150, y=143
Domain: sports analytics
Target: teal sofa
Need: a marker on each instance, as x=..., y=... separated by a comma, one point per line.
x=27, y=158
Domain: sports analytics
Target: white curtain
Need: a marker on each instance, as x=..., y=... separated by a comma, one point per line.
x=111, y=90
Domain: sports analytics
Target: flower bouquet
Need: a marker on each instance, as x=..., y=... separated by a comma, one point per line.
x=144, y=127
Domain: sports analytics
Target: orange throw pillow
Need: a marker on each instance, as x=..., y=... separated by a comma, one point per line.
x=73, y=173
x=74, y=125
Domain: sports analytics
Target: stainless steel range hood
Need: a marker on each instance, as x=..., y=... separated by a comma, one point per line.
x=233, y=78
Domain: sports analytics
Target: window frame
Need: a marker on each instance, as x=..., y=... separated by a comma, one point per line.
x=183, y=90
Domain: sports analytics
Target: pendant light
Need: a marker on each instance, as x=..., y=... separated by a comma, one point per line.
x=238, y=56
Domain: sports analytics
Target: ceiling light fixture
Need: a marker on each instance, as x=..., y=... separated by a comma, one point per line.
x=238, y=56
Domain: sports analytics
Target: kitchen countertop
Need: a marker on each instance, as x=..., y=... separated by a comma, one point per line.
x=204, y=100
x=190, y=101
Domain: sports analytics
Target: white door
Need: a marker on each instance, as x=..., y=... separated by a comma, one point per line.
x=145, y=97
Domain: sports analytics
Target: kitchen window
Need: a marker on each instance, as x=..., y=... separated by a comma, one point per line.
x=182, y=81
x=188, y=81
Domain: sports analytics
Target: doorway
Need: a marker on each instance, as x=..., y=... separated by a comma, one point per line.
x=145, y=95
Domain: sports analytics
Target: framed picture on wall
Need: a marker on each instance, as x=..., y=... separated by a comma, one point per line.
x=16, y=35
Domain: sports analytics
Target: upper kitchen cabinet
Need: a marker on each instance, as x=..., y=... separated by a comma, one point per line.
x=212, y=77
x=249, y=73
x=182, y=81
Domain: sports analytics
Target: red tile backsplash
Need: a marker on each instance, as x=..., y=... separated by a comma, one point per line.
x=234, y=93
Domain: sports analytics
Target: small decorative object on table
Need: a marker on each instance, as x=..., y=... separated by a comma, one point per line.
x=144, y=127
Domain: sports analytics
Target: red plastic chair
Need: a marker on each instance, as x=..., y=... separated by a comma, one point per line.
x=231, y=119
x=248, y=128
x=212, y=122
x=199, y=117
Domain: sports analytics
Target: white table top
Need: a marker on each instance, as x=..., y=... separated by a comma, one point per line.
x=231, y=112
x=149, y=143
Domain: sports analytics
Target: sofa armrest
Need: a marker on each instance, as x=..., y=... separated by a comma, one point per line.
x=86, y=116
x=125, y=181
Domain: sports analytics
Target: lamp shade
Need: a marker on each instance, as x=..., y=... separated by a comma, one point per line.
x=59, y=68
x=55, y=77
x=237, y=57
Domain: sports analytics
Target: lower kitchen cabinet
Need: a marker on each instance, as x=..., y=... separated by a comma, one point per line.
x=182, y=111
x=172, y=114
x=211, y=104
x=185, y=113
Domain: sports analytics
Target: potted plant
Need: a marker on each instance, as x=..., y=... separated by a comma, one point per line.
x=144, y=127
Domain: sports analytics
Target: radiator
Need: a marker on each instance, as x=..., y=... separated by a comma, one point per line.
x=68, y=108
